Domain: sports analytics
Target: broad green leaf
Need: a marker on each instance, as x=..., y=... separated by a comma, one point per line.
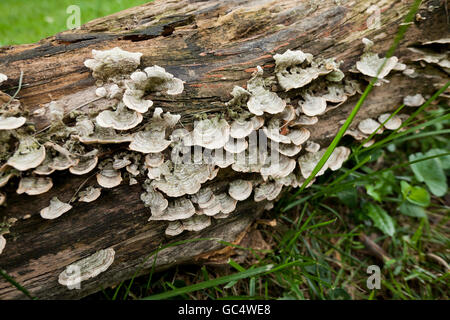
x=431, y=172
x=380, y=218
x=445, y=160
x=409, y=209
x=416, y=195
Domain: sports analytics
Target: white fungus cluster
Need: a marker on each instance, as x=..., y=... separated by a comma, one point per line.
x=180, y=192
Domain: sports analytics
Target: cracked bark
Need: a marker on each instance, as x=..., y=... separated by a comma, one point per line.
x=212, y=45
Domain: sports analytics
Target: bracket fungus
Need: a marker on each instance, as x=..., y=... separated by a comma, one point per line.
x=241, y=128
x=121, y=119
x=108, y=177
x=2, y=243
x=392, y=124
x=267, y=191
x=296, y=69
x=89, y=194
x=34, y=185
x=279, y=168
x=174, y=228
x=154, y=200
x=261, y=99
x=240, y=189
x=370, y=63
x=3, y=77
x=86, y=163
x=368, y=126
x=414, y=101
x=313, y=106
x=196, y=223
x=179, y=209
x=29, y=155
x=236, y=145
x=109, y=63
x=209, y=133
x=11, y=123
x=87, y=268
x=55, y=209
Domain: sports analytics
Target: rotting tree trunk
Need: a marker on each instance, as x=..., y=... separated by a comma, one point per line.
x=212, y=46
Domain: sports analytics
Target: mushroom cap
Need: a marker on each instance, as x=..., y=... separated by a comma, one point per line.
x=87, y=268
x=89, y=194
x=29, y=155
x=101, y=92
x=414, y=101
x=336, y=93
x=34, y=185
x=174, y=228
x=355, y=133
x=240, y=189
x=44, y=168
x=104, y=136
x=5, y=176
x=368, y=126
x=222, y=158
x=241, y=128
x=240, y=96
x=392, y=124
x=313, y=106
x=121, y=119
x=55, y=209
x=304, y=121
x=120, y=163
x=257, y=122
x=11, y=123
x=288, y=69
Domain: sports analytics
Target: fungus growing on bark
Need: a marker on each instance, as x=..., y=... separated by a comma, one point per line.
x=86, y=163
x=312, y=146
x=280, y=168
x=240, y=97
x=414, y=101
x=337, y=158
x=55, y=209
x=261, y=99
x=241, y=128
x=227, y=205
x=289, y=150
x=308, y=162
x=179, y=209
x=240, y=189
x=236, y=145
x=109, y=63
x=89, y=194
x=154, y=160
x=101, y=92
x=2, y=198
x=3, y=77
x=87, y=268
x=267, y=191
x=11, y=123
x=154, y=200
x=2, y=243
x=104, y=136
x=392, y=124
x=313, y=106
x=34, y=185
x=209, y=133
x=368, y=126
x=121, y=119
x=108, y=177
x=303, y=120
x=185, y=179
x=174, y=228
x=29, y=155
x=196, y=223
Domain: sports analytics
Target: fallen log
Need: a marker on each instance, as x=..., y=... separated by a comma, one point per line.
x=211, y=46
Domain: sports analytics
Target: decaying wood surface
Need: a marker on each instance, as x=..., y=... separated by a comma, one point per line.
x=212, y=46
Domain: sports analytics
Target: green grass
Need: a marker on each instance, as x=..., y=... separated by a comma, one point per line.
x=25, y=21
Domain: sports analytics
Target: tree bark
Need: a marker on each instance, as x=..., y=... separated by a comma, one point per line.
x=212, y=46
